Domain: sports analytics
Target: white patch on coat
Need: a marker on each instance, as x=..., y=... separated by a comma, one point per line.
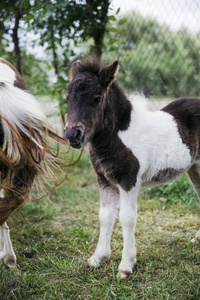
x=6, y=73
x=21, y=109
x=154, y=139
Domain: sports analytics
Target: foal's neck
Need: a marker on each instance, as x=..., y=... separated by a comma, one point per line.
x=120, y=107
x=117, y=116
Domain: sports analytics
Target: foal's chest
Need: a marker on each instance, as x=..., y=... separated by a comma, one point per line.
x=118, y=166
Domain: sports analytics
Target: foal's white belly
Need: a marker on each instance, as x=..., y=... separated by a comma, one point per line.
x=154, y=139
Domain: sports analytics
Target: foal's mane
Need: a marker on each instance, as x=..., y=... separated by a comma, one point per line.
x=90, y=64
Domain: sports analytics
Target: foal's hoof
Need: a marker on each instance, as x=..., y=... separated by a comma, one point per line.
x=10, y=260
x=123, y=274
x=94, y=261
x=126, y=267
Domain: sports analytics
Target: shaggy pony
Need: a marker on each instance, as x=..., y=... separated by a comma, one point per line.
x=129, y=147
x=25, y=150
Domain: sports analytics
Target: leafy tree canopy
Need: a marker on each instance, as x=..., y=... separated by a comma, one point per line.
x=155, y=59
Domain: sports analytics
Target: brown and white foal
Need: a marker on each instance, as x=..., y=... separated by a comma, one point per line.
x=25, y=151
x=129, y=147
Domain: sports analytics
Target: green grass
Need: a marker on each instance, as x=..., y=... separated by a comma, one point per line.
x=53, y=247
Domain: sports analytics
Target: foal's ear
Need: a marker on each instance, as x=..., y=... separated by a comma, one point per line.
x=109, y=73
x=74, y=70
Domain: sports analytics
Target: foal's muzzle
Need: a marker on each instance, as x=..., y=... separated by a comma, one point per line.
x=75, y=135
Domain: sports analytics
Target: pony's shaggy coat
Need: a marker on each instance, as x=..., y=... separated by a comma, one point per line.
x=129, y=147
x=25, y=151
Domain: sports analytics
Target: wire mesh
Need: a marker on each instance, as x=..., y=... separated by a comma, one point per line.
x=158, y=46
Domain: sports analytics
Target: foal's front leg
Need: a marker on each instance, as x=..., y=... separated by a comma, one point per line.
x=109, y=201
x=128, y=217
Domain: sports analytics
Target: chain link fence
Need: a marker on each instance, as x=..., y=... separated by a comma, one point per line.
x=158, y=46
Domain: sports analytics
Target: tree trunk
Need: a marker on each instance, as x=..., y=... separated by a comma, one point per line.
x=99, y=43
x=53, y=47
x=98, y=34
x=15, y=37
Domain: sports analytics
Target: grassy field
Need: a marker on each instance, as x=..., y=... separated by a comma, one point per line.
x=53, y=245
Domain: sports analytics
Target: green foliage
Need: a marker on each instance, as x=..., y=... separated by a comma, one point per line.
x=62, y=25
x=35, y=71
x=35, y=74
x=9, y=55
x=153, y=59
x=70, y=19
x=180, y=190
x=156, y=60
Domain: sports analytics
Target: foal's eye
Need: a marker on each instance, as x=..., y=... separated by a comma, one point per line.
x=98, y=98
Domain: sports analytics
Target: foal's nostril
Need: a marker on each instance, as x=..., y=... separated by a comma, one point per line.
x=78, y=134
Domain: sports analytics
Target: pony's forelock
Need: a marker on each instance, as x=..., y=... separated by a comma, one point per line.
x=88, y=64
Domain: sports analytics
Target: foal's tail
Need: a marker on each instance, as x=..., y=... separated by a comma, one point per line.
x=25, y=150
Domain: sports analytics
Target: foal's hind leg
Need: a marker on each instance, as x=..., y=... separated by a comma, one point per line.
x=128, y=216
x=194, y=175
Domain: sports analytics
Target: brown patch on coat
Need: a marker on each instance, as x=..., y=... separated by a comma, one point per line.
x=16, y=183
x=114, y=167
x=166, y=175
x=186, y=113
x=8, y=205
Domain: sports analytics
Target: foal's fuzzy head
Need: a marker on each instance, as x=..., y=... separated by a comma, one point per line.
x=87, y=95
